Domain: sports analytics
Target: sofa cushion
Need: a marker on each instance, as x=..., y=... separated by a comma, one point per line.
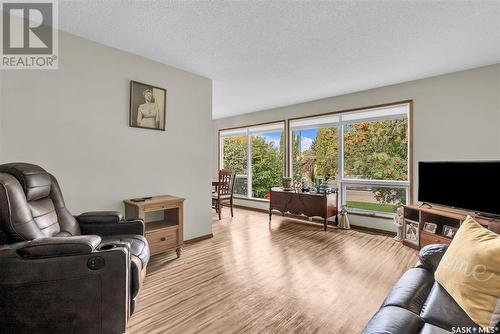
x=394, y=320
x=470, y=272
x=441, y=310
x=411, y=291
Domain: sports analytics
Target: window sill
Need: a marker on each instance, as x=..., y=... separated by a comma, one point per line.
x=371, y=214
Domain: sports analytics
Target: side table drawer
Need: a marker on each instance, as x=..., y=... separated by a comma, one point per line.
x=155, y=207
x=162, y=239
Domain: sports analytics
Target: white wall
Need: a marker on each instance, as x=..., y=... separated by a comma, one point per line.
x=455, y=117
x=74, y=122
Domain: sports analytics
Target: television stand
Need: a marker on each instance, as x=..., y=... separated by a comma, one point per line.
x=443, y=224
x=480, y=215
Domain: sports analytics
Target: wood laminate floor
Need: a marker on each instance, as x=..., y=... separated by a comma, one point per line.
x=287, y=277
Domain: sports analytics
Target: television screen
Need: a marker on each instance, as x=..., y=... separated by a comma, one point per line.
x=467, y=185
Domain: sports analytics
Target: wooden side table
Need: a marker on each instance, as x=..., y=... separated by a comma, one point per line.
x=165, y=234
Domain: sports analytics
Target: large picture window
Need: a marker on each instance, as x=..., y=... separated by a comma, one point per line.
x=365, y=154
x=256, y=154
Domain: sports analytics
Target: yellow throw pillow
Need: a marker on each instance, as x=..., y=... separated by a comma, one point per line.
x=470, y=272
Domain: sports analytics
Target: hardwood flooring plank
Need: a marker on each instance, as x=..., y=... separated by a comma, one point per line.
x=284, y=277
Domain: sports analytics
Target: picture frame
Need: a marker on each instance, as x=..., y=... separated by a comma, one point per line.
x=411, y=230
x=449, y=231
x=430, y=227
x=148, y=106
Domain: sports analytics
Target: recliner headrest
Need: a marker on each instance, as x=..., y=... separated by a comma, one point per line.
x=34, y=179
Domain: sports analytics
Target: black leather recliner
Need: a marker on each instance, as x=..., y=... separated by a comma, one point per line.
x=419, y=304
x=59, y=273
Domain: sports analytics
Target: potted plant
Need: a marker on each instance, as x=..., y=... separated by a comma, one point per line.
x=286, y=182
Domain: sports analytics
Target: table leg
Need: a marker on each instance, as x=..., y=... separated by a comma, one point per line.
x=178, y=251
x=270, y=214
x=325, y=224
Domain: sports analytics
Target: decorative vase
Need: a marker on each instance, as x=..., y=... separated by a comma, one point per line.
x=317, y=183
x=343, y=220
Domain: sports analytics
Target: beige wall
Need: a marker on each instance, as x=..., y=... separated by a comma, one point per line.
x=74, y=122
x=455, y=117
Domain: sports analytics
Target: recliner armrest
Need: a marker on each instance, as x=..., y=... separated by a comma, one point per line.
x=59, y=246
x=100, y=217
x=431, y=255
x=106, y=223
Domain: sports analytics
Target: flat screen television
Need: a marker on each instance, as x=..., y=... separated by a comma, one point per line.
x=469, y=185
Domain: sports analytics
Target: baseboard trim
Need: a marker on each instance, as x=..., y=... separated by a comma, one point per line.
x=254, y=209
x=200, y=238
x=373, y=230
x=354, y=227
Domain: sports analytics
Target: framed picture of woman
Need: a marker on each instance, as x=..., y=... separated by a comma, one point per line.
x=147, y=106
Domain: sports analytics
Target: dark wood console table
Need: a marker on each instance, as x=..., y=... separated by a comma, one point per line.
x=307, y=204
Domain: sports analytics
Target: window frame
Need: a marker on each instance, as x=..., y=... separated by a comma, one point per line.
x=249, y=131
x=345, y=182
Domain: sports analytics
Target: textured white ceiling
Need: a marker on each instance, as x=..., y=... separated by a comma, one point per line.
x=272, y=53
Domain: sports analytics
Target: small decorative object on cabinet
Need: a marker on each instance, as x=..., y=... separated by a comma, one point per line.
x=317, y=183
x=325, y=188
x=286, y=183
x=304, y=186
x=437, y=225
x=166, y=233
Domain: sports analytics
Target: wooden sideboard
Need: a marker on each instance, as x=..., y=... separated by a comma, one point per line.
x=415, y=217
x=164, y=234
x=307, y=204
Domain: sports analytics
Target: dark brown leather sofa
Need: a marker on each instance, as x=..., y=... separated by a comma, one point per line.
x=419, y=304
x=59, y=273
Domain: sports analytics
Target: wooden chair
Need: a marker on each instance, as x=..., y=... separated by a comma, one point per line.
x=224, y=194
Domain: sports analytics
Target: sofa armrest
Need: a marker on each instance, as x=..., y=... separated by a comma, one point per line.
x=100, y=217
x=59, y=246
x=431, y=255
x=107, y=223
